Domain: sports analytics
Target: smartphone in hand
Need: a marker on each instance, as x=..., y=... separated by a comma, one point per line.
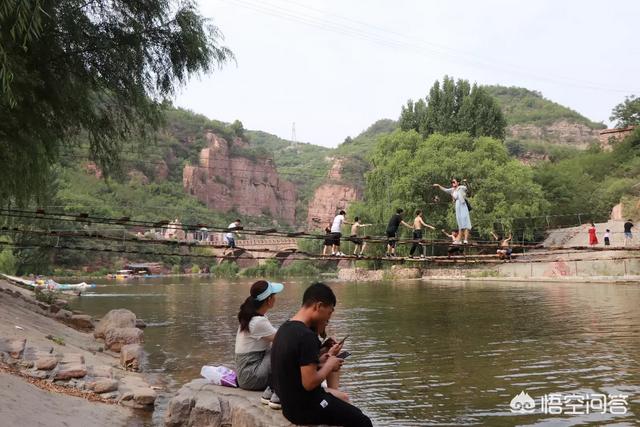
x=343, y=340
x=343, y=355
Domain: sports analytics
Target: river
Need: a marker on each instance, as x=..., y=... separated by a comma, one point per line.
x=441, y=353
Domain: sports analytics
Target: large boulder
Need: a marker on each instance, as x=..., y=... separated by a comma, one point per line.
x=118, y=318
x=179, y=409
x=71, y=366
x=136, y=393
x=45, y=361
x=131, y=356
x=81, y=322
x=199, y=403
x=14, y=347
x=101, y=371
x=115, y=338
x=103, y=385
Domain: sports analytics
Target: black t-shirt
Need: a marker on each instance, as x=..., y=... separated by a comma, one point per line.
x=627, y=227
x=294, y=345
x=394, y=223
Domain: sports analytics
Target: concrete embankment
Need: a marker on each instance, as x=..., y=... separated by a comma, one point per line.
x=596, y=266
x=41, y=345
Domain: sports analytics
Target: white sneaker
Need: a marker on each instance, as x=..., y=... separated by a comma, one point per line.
x=274, y=402
x=466, y=242
x=266, y=396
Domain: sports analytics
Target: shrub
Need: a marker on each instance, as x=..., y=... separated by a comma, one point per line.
x=226, y=269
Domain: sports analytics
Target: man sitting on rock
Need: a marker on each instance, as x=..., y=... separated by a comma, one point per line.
x=298, y=370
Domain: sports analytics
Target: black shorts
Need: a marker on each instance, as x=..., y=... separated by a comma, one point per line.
x=356, y=240
x=326, y=409
x=335, y=238
x=392, y=238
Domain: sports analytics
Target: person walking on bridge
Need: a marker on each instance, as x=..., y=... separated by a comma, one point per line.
x=418, y=223
x=392, y=231
x=336, y=232
x=459, y=195
x=358, y=241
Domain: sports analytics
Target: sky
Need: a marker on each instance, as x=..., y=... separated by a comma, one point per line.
x=335, y=67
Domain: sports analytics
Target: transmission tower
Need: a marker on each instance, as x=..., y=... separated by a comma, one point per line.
x=294, y=138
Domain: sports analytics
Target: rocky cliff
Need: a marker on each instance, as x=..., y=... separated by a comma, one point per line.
x=560, y=132
x=225, y=181
x=330, y=197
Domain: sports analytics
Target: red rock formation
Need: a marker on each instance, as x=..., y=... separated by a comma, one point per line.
x=330, y=197
x=251, y=187
x=559, y=132
x=608, y=137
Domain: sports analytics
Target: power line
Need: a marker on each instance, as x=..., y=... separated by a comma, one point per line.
x=385, y=39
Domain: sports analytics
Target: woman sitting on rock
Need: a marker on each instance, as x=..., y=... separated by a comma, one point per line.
x=253, y=341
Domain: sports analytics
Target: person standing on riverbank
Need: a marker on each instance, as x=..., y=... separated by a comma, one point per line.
x=593, y=238
x=253, y=341
x=607, y=237
x=299, y=370
x=418, y=223
x=459, y=195
x=628, y=236
x=392, y=231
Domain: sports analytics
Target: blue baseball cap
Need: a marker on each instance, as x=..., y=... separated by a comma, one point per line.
x=272, y=288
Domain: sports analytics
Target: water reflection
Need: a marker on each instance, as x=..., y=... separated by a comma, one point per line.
x=422, y=353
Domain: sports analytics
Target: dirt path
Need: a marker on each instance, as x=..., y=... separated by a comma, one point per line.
x=24, y=404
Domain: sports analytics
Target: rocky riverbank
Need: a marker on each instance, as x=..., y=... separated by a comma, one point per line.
x=201, y=404
x=53, y=349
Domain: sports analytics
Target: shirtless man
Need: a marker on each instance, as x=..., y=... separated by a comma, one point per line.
x=504, y=251
x=454, y=236
x=418, y=223
x=358, y=241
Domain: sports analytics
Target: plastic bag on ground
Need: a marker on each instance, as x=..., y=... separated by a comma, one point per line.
x=219, y=375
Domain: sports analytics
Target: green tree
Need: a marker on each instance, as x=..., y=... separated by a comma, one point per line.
x=95, y=71
x=237, y=128
x=7, y=258
x=454, y=107
x=627, y=113
x=593, y=181
x=406, y=165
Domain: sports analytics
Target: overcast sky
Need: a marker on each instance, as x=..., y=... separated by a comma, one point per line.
x=334, y=67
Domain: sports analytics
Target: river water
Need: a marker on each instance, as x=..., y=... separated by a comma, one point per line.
x=441, y=353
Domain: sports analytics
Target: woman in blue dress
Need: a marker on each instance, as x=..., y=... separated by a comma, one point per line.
x=459, y=195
